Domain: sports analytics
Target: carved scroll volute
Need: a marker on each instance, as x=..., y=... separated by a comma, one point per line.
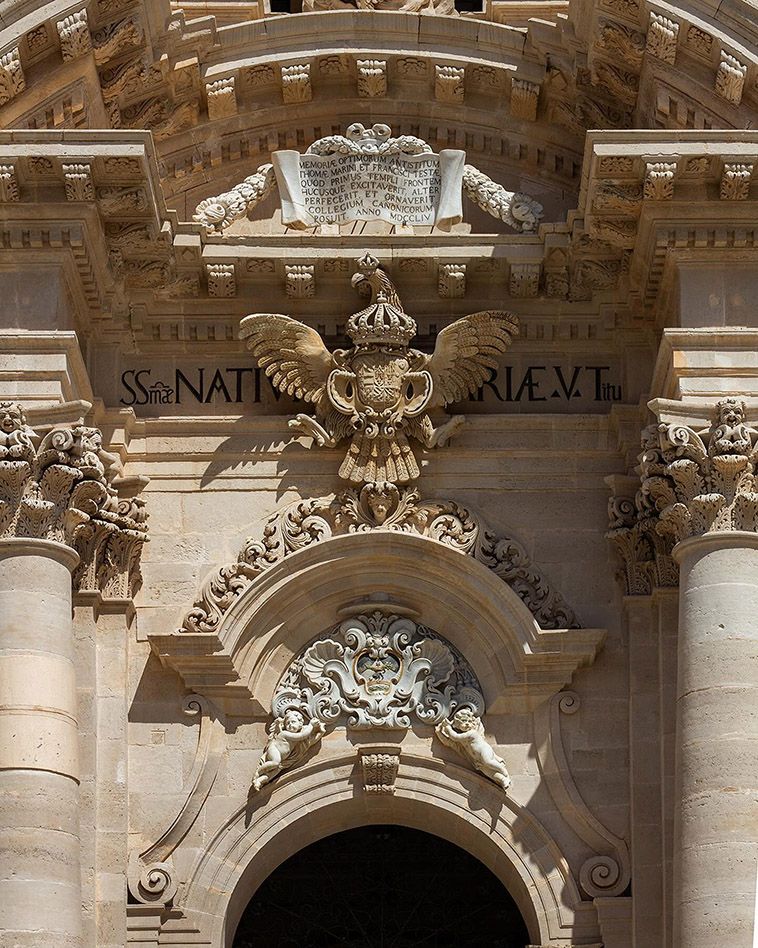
x=606, y=874
x=151, y=877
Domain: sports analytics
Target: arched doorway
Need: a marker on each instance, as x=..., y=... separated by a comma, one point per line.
x=381, y=887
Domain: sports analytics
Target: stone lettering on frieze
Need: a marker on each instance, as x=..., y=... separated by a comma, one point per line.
x=153, y=387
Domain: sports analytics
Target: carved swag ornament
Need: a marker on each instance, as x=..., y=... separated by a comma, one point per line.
x=379, y=392
x=378, y=671
x=692, y=482
x=62, y=487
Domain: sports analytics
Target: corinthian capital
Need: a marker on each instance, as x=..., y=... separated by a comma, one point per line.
x=691, y=483
x=61, y=487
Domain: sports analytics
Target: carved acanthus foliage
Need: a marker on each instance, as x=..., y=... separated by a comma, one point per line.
x=730, y=78
x=451, y=280
x=61, y=487
x=300, y=281
x=380, y=507
x=378, y=670
x=296, y=83
x=12, y=79
x=735, y=181
x=9, y=191
x=379, y=392
x=524, y=98
x=74, y=34
x=379, y=770
x=662, y=36
x=78, y=182
x=449, y=84
x=692, y=483
x=221, y=98
x=217, y=213
x=372, y=78
x=659, y=180
x=221, y=279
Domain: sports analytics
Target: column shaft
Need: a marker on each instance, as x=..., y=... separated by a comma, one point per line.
x=716, y=820
x=40, y=883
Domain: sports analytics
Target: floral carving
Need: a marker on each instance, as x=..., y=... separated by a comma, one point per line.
x=61, y=487
x=372, y=78
x=74, y=34
x=377, y=670
x=379, y=771
x=380, y=507
x=12, y=79
x=379, y=392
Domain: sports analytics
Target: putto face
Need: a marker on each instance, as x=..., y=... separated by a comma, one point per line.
x=464, y=720
x=11, y=417
x=293, y=721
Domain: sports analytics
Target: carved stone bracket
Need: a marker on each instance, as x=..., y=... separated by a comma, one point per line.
x=379, y=767
x=381, y=507
x=150, y=876
x=606, y=874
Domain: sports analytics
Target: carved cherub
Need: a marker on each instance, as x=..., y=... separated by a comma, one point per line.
x=290, y=738
x=465, y=734
x=379, y=392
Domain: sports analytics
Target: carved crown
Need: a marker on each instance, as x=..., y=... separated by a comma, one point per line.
x=384, y=322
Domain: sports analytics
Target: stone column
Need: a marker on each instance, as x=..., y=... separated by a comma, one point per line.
x=59, y=515
x=40, y=884
x=699, y=491
x=716, y=822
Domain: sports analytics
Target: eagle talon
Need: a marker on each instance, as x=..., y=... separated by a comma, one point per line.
x=440, y=436
x=311, y=427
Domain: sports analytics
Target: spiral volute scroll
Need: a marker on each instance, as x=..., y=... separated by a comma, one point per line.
x=154, y=883
x=601, y=876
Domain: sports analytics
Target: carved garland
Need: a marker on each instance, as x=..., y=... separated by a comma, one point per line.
x=380, y=507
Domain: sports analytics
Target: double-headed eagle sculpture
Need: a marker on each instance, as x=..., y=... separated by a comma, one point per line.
x=379, y=392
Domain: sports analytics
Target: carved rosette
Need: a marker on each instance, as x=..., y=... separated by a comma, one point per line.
x=380, y=506
x=61, y=487
x=692, y=483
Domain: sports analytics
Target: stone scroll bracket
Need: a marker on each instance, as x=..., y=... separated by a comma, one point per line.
x=151, y=877
x=608, y=873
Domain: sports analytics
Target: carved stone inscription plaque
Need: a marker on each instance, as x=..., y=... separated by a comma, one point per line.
x=399, y=189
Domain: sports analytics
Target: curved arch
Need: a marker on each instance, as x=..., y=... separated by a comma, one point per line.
x=320, y=799
x=302, y=595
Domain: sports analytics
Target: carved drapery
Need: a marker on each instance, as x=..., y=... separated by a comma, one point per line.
x=380, y=507
x=692, y=483
x=63, y=487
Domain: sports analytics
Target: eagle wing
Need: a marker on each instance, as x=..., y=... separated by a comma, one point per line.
x=292, y=354
x=466, y=353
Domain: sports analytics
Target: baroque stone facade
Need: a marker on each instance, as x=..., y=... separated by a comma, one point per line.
x=378, y=445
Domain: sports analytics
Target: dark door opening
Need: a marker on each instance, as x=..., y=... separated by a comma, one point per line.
x=381, y=887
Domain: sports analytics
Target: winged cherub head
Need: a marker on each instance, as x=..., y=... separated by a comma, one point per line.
x=379, y=392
